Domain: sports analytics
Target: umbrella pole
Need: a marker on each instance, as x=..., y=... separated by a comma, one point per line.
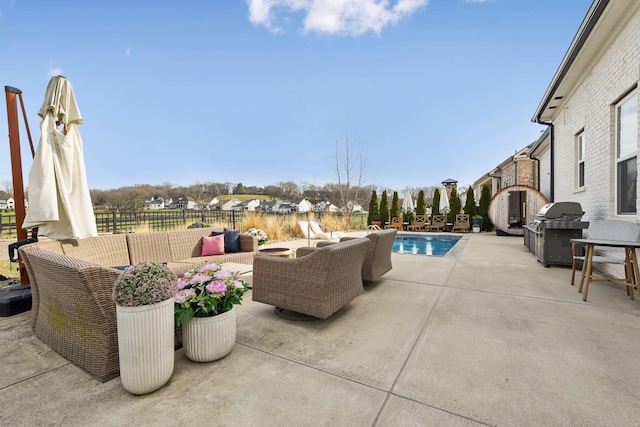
x=16, y=168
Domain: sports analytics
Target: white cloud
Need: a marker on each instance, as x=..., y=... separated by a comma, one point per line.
x=127, y=52
x=341, y=17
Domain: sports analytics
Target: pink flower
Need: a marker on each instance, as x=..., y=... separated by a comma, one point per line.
x=209, y=267
x=222, y=274
x=217, y=287
x=182, y=282
x=238, y=284
x=182, y=295
x=199, y=278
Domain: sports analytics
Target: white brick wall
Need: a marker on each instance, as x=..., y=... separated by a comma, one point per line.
x=613, y=71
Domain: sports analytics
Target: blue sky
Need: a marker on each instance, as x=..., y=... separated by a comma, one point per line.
x=260, y=91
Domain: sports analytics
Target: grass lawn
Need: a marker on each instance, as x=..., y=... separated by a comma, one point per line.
x=9, y=269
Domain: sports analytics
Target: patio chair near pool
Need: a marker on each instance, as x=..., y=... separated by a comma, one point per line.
x=418, y=223
x=308, y=232
x=319, y=228
x=378, y=259
x=437, y=223
x=395, y=223
x=319, y=282
x=462, y=223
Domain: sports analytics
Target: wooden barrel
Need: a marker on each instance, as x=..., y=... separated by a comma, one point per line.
x=514, y=207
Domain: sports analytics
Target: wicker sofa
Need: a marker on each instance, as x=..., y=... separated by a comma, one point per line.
x=72, y=280
x=318, y=282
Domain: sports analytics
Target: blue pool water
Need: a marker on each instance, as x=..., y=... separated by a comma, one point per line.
x=418, y=244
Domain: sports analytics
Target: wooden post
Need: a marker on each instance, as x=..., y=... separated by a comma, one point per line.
x=16, y=169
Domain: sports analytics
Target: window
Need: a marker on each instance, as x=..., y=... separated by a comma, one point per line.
x=627, y=153
x=580, y=156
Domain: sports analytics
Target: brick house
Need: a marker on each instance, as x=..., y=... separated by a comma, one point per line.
x=591, y=110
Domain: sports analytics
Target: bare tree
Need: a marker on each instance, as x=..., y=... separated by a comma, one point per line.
x=350, y=173
x=290, y=189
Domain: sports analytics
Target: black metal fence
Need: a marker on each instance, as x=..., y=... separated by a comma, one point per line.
x=122, y=222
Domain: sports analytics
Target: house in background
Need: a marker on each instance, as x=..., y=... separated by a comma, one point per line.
x=591, y=110
x=3, y=204
x=154, y=203
x=228, y=205
x=247, y=205
x=11, y=203
x=185, y=203
x=302, y=205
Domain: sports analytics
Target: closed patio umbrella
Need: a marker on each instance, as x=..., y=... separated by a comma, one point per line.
x=59, y=200
x=407, y=202
x=444, y=202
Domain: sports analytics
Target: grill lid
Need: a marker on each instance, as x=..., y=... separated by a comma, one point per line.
x=560, y=210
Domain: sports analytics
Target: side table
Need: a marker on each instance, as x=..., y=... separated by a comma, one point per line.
x=279, y=252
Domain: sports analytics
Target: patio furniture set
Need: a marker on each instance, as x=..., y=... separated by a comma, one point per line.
x=72, y=282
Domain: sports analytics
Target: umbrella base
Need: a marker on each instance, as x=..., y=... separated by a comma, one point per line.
x=14, y=299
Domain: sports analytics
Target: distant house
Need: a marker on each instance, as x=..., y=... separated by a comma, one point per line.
x=11, y=204
x=214, y=204
x=248, y=205
x=228, y=205
x=185, y=203
x=323, y=207
x=285, y=207
x=302, y=205
x=154, y=203
x=3, y=204
x=269, y=206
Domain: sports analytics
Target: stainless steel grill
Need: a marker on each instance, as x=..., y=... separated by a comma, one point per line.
x=548, y=236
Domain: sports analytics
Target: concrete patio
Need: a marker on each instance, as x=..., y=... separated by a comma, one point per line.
x=483, y=336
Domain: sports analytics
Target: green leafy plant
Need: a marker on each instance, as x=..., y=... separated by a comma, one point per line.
x=199, y=224
x=144, y=284
x=207, y=291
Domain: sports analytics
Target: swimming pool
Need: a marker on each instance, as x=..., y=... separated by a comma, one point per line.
x=418, y=244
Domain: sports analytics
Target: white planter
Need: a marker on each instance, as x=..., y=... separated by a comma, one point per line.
x=145, y=346
x=476, y=229
x=206, y=339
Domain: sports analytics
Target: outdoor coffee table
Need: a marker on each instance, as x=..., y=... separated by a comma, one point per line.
x=245, y=271
x=279, y=252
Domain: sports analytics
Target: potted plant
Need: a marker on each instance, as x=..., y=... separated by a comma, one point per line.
x=261, y=235
x=205, y=308
x=144, y=297
x=476, y=223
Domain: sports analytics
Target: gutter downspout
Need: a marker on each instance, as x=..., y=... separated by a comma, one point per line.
x=551, y=160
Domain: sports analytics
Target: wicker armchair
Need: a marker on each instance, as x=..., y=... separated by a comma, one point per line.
x=378, y=259
x=317, y=283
